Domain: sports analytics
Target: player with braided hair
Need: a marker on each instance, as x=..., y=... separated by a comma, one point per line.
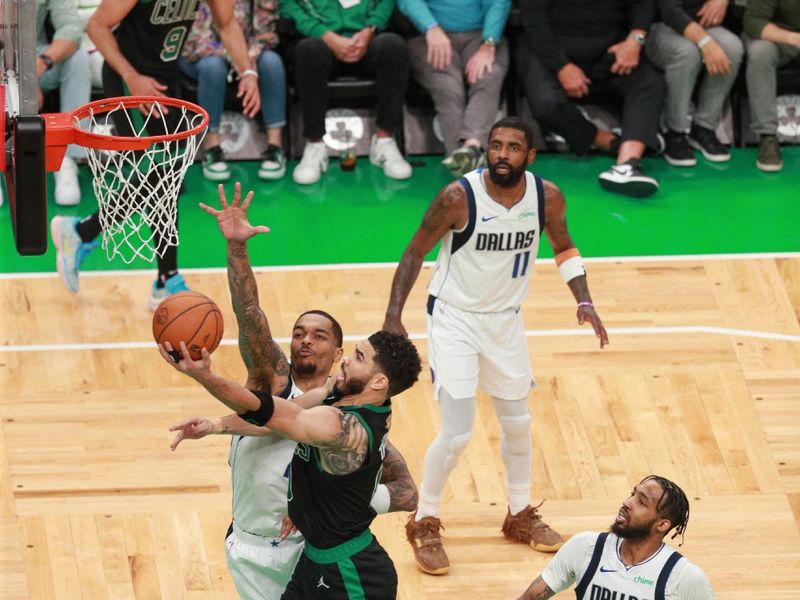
x=631, y=561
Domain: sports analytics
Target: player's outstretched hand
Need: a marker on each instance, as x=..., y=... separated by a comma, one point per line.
x=287, y=527
x=193, y=428
x=232, y=218
x=587, y=313
x=196, y=369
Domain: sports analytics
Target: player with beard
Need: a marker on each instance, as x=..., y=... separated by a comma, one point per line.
x=261, y=552
x=631, y=562
x=490, y=223
x=337, y=463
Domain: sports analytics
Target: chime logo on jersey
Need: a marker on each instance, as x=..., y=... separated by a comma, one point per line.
x=173, y=11
x=512, y=240
x=600, y=593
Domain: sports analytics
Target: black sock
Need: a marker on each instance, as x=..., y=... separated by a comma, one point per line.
x=167, y=265
x=89, y=228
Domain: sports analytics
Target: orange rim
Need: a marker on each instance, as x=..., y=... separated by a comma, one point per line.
x=118, y=142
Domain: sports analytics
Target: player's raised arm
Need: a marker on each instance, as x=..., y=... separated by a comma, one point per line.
x=448, y=210
x=267, y=367
x=569, y=260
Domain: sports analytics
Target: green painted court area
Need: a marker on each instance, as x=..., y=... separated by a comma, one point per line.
x=362, y=216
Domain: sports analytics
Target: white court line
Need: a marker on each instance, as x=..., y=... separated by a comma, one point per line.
x=785, y=337
x=378, y=265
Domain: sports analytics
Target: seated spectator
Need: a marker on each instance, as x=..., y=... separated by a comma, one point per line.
x=773, y=40
x=342, y=37
x=461, y=47
x=61, y=64
x=204, y=60
x=690, y=37
x=573, y=48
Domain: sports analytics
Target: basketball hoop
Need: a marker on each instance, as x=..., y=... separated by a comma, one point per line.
x=136, y=178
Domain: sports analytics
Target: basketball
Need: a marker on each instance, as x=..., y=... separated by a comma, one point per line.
x=188, y=317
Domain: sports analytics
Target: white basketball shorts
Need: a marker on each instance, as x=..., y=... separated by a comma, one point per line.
x=261, y=567
x=468, y=350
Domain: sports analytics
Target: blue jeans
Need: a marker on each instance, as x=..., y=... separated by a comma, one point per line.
x=73, y=78
x=211, y=74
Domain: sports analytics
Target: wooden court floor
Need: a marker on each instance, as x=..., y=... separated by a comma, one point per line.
x=701, y=384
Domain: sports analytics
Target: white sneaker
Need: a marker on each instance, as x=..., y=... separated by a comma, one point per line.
x=68, y=190
x=383, y=152
x=313, y=164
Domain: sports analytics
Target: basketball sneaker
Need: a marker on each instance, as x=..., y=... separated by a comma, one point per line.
x=384, y=153
x=628, y=178
x=527, y=527
x=214, y=166
x=463, y=160
x=273, y=163
x=678, y=152
x=424, y=537
x=71, y=250
x=313, y=164
x=706, y=140
x=172, y=285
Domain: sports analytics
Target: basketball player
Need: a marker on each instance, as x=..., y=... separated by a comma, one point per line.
x=632, y=561
x=490, y=223
x=336, y=465
x=140, y=42
x=260, y=562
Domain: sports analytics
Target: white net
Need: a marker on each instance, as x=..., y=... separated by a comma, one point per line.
x=137, y=190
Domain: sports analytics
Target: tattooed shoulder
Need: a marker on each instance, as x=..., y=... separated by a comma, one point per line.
x=448, y=201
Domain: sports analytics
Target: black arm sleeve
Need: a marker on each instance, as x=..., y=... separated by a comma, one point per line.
x=540, y=34
x=674, y=14
x=264, y=413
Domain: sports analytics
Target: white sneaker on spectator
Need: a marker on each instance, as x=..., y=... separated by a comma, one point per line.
x=68, y=190
x=383, y=152
x=313, y=164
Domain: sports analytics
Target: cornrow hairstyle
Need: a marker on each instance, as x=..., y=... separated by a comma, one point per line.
x=397, y=357
x=515, y=123
x=336, y=329
x=673, y=505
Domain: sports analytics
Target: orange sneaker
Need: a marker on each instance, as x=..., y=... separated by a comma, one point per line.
x=424, y=537
x=527, y=527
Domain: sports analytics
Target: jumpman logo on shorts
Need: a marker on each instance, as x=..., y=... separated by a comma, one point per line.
x=322, y=583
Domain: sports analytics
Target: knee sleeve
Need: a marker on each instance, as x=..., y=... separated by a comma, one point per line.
x=516, y=432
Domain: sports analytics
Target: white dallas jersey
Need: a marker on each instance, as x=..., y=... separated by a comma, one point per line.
x=260, y=479
x=486, y=265
x=613, y=580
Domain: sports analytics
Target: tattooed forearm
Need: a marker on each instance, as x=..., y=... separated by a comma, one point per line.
x=348, y=451
x=397, y=478
x=580, y=288
x=538, y=590
x=256, y=346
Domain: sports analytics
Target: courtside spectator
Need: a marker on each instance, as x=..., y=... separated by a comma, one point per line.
x=61, y=64
x=461, y=58
x=204, y=59
x=572, y=49
x=690, y=38
x=344, y=37
x=773, y=40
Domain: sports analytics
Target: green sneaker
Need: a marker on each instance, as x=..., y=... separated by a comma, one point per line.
x=214, y=166
x=273, y=163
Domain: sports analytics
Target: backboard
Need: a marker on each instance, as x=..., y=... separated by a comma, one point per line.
x=22, y=161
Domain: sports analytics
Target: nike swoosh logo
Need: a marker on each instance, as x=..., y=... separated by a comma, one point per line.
x=604, y=570
x=484, y=219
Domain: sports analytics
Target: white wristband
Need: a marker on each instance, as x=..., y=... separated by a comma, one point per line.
x=704, y=41
x=571, y=268
x=248, y=72
x=381, y=500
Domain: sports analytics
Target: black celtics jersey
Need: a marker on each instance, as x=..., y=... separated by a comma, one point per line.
x=151, y=36
x=332, y=509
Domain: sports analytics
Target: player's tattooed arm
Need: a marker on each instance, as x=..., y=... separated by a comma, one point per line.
x=447, y=211
x=264, y=359
x=397, y=478
x=538, y=590
x=348, y=450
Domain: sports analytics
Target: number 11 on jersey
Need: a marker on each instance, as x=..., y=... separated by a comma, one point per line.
x=523, y=258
